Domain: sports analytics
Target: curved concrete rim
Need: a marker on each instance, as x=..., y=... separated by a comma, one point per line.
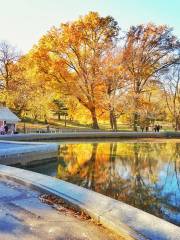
x=122, y=218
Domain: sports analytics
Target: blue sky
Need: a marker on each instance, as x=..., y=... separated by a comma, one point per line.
x=23, y=22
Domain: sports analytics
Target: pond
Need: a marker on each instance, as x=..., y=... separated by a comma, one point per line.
x=143, y=174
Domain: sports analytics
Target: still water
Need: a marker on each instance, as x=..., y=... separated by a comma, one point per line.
x=143, y=174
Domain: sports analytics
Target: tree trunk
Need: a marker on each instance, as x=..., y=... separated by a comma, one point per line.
x=94, y=118
x=136, y=104
x=65, y=121
x=177, y=123
x=24, y=127
x=45, y=119
x=113, y=120
x=135, y=121
x=35, y=117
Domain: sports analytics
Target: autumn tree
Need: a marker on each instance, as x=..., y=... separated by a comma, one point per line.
x=19, y=88
x=148, y=50
x=171, y=86
x=27, y=95
x=73, y=107
x=115, y=86
x=59, y=108
x=8, y=55
x=74, y=55
x=15, y=89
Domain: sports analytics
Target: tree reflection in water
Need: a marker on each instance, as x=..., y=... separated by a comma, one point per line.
x=144, y=175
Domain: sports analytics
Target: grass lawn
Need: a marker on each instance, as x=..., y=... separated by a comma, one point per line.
x=55, y=125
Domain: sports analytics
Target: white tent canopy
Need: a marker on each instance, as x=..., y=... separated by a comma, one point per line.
x=8, y=116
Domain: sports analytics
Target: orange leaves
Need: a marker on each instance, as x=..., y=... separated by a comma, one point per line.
x=72, y=56
x=84, y=60
x=148, y=49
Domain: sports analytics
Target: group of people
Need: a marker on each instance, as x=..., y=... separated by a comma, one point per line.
x=7, y=128
x=155, y=128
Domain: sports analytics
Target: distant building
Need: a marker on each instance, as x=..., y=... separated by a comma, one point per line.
x=8, y=118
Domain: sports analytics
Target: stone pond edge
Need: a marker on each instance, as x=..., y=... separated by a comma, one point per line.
x=29, y=152
x=88, y=135
x=117, y=216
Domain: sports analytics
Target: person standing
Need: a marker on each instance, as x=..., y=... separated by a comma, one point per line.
x=6, y=128
x=155, y=128
x=158, y=128
x=142, y=128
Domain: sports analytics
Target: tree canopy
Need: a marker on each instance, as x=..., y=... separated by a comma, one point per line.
x=97, y=71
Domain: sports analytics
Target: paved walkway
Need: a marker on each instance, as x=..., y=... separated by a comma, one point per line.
x=24, y=216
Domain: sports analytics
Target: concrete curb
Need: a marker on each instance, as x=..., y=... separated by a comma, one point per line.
x=28, y=152
x=117, y=216
x=81, y=135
